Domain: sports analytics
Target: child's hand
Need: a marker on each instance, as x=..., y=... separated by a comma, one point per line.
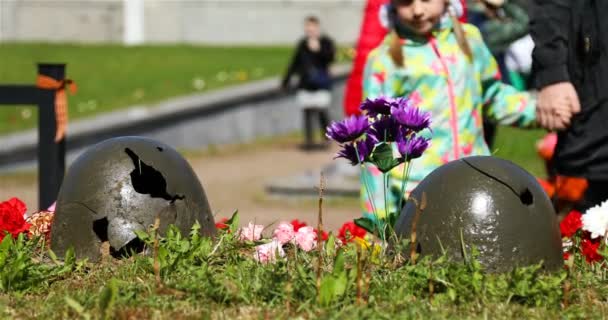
x=557, y=103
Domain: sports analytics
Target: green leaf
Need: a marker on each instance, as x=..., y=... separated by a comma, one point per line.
x=392, y=219
x=77, y=307
x=326, y=294
x=142, y=235
x=53, y=257
x=233, y=222
x=108, y=298
x=330, y=245
x=70, y=257
x=388, y=225
x=452, y=294
x=366, y=223
x=382, y=157
x=339, y=263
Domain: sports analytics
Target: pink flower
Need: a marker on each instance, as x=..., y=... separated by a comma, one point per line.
x=306, y=238
x=267, y=253
x=284, y=232
x=252, y=232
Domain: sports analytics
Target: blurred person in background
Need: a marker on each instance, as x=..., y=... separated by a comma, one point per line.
x=570, y=68
x=311, y=61
x=501, y=23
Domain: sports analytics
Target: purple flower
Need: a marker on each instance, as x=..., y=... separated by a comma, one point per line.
x=378, y=106
x=412, y=147
x=411, y=116
x=385, y=129
x=348, y=129
x=364, y=147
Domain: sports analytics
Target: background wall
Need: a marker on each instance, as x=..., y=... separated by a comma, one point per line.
x=172, y=21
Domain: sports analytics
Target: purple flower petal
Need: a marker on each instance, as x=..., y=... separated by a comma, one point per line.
x=348, y=129
x=364, y=148
x=378, y=106
x=411, y=116
x=385, y=129
x=413, y=147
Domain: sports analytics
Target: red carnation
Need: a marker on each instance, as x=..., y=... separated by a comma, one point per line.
x=566, y=256
x=350, y=231
x=222, y=224
x=324, y=235
x=11, y=218
x=571, y=224
x=590, y=247
x=297, y=224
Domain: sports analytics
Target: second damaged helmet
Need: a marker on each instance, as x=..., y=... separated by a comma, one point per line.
x=487, y=203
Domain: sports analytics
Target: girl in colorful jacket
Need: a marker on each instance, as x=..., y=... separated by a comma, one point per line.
x=443, y=67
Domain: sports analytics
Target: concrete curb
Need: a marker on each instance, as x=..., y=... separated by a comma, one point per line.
x=140, y=118
x=342, y=181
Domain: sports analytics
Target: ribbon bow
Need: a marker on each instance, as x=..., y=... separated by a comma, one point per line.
x=61, y=101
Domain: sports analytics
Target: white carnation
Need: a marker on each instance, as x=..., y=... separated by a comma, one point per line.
x=595, y=220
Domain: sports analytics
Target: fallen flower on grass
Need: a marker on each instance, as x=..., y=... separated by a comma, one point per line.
x=284, y=232
x=571, y=224
x=297, y=224
x=595, y=220
x=350, y=231
x=269, y=252
x=590, y=250
x=11, y=218
x=40, y=224
x=252, y=232
x=306, y=238
x=222, y=224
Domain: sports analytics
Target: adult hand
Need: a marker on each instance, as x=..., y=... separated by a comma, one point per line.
x=556, y=105
x=314, y=44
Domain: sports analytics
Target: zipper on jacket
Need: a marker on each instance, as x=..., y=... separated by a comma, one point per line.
x=452, y=98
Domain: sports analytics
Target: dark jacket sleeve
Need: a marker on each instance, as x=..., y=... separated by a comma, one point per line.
x=328, y=50
x=293, y=65
x=550, y=29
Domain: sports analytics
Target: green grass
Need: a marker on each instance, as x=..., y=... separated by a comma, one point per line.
x=112, y=76
x=519, y=146
x=199, y=278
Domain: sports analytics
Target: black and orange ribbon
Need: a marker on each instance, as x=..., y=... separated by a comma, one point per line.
x=61, y=101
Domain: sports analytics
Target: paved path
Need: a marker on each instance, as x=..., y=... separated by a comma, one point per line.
x=237, y=180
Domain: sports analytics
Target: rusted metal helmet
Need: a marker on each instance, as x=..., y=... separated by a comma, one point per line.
x=121, y=185
x=485, y=202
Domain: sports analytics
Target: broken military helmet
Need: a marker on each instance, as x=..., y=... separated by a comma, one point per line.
x=487, y=203
x=120, y=186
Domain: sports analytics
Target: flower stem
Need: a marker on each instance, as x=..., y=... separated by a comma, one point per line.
x=406, y=168
x=386, y=204
x=363, y=174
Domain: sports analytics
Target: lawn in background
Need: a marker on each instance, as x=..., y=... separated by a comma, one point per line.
x=519, y=146
x=113, y=76
x=110, y=77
